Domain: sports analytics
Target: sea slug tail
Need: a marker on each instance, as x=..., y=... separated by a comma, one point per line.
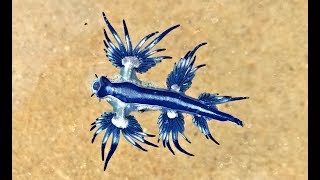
x=211, y=100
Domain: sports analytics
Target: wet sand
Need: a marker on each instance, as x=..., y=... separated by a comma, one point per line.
x=255, y=48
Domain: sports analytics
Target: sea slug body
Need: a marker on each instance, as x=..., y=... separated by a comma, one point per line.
x=127, y=94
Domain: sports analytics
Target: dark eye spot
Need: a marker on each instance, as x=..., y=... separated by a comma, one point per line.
x=96, y=86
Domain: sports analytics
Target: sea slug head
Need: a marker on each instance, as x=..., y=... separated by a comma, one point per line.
x=101, y=87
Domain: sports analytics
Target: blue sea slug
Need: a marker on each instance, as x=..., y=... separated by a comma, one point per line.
x=127, y=94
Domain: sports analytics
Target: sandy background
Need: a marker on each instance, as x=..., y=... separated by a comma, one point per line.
x=255, y=48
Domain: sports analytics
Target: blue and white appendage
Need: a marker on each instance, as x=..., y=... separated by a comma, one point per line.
x=133, y=59
x=130, y=128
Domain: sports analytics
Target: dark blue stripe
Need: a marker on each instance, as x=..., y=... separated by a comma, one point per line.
x=130, y=93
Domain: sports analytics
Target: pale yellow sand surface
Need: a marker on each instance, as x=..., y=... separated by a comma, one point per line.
x=256, y=48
